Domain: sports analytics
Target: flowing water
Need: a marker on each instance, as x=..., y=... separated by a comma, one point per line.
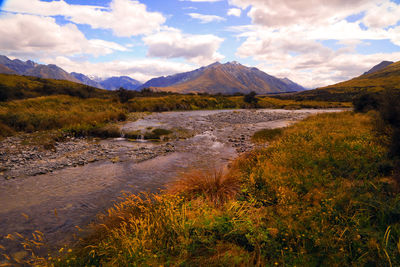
x=56, y=202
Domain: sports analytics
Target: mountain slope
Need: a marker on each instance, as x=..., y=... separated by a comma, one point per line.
x=378, y=67
x=30, y=68
x=21, y=87
x=122, y=81
x=385, y=78
x=228, y=78
x=6, y=70
x=86, y=80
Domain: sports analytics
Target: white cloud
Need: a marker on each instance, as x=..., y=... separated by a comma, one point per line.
x=139, y=69
x=382, y=15
x=206, y=18
x=287, y=12
x=286, y=37
x=124, y=17
x=234, y=12
x=172, y=43
x=29, y=35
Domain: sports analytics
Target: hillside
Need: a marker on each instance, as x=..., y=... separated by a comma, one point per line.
x=227, y=78
x=6, y=70
x=21, y=87
x=379, y=67
x=375, y=81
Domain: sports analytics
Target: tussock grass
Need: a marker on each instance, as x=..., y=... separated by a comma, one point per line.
x=57, y=112
x=217, y=186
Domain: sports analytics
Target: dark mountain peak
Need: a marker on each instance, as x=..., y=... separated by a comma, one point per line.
x=378, y=67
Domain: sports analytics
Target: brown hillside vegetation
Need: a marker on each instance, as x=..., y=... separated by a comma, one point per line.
x=386, y=78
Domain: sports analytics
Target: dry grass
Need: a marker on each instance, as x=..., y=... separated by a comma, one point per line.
x=217, y=186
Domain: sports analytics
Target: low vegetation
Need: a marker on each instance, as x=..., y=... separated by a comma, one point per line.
x=58, y=112
x=321, y=194
x=266, y=135
x=87, y=116
x=376, y=82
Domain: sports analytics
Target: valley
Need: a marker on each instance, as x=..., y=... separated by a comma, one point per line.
x=53, y=191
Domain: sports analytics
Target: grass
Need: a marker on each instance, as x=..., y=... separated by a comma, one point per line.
x=266, y=135
x=321, y=194
x=88, y=116
x=58, y=112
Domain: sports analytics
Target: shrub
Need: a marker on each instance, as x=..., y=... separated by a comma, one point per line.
x=366, y=102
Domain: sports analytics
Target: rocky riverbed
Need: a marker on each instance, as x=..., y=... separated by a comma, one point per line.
x=79, y=178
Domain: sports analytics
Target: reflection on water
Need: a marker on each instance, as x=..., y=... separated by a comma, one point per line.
x=79, y=193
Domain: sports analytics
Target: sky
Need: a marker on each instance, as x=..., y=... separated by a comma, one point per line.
x=312, y=42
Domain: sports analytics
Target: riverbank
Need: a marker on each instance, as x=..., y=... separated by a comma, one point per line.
x=82, y=177
x=319, y=194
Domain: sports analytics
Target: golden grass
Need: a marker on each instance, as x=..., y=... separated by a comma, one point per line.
x=217, y=186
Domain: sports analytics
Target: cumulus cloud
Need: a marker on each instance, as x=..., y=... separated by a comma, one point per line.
x=29, y=35
x=139, y=69
x=206, y=18
x=124, y=17
x=382, y=15
x=234, y=12
x=172, y=43
x=286, y=12
x=286, y=37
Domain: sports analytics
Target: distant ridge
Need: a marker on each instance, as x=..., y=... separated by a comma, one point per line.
x=122, y=81
x=228, y=78
x=51, y=71
x=30, y=68
x=378, y=67
x=86, y=80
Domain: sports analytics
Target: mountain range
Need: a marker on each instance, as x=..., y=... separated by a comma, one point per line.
x=228, y=78
x=51, y=71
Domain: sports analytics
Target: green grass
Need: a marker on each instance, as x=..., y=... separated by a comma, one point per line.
x=321, y=194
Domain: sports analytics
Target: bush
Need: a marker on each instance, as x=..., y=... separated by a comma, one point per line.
x=366, y=102
x=388, y=121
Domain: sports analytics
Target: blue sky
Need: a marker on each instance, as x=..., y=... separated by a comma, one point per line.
x=312, y=42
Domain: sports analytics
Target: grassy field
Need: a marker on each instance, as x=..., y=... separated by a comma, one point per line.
x=80, y=116
x=321, y=194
